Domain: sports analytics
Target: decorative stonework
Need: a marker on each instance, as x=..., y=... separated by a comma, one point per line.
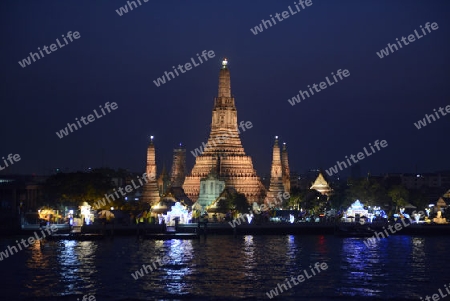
x=150, y=192
x=276, y=187
x=228, y=158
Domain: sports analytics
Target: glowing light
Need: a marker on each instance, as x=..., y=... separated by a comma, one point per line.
x=86, y=213
x=178, y=211
x=151, y=137
x=249, y=218
x=224, y=62
x=276, y=137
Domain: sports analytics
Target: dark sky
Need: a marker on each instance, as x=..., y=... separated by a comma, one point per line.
x=117, y=58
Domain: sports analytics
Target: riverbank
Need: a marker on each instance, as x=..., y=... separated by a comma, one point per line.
x=262, y=229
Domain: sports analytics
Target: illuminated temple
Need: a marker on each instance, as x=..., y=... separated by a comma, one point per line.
x=225, y=155
x=276, y=175
x=222, y=167
x=150, y=193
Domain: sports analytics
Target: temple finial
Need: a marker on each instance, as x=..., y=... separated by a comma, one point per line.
x=224, y=63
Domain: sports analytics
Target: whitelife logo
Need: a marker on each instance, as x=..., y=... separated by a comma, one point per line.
x=436, y=296
x=222, y=138
x=360, y=156
x=423, y=122
x=140, y=273
x=30, y=240
x=162, y=80
x=124, y=9
x=300, y=278
x=259, y=209
x=110, y=197
x=322, y=85
x=90, y=118
x=27, y=61
x=371, y=241
x=411, y=38
x=10, y=158
x=259, y=28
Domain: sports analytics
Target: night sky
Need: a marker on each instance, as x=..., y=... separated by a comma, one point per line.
x=117, y=58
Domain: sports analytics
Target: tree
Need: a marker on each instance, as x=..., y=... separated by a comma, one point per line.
x=296, y=198
x=237, y=202
x=399, y=196
x=225, y=205
x=73, y=189
x=240, y=203
x=369, y=191
x=418, y=198
x=338, y=198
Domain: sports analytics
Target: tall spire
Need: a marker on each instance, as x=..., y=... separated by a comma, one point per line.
x=276, y=181
x=151, y=193
x=224, y=119
x=151, y=159
x=285, y=169
x=276, y=171
x=224, y=152
x=224, y=80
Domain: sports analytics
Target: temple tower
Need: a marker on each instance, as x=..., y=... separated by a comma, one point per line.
x=150, y=193
x=224, y=152
x=276, y=188
x=285, y=169
x=178, y=172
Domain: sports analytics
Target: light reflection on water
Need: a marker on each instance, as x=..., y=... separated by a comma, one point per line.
x=225, y=266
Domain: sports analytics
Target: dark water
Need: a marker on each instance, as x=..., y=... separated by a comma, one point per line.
x=228, y=268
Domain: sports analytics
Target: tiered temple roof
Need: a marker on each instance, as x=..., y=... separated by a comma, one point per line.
x=321, y=185
x=225, y=153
